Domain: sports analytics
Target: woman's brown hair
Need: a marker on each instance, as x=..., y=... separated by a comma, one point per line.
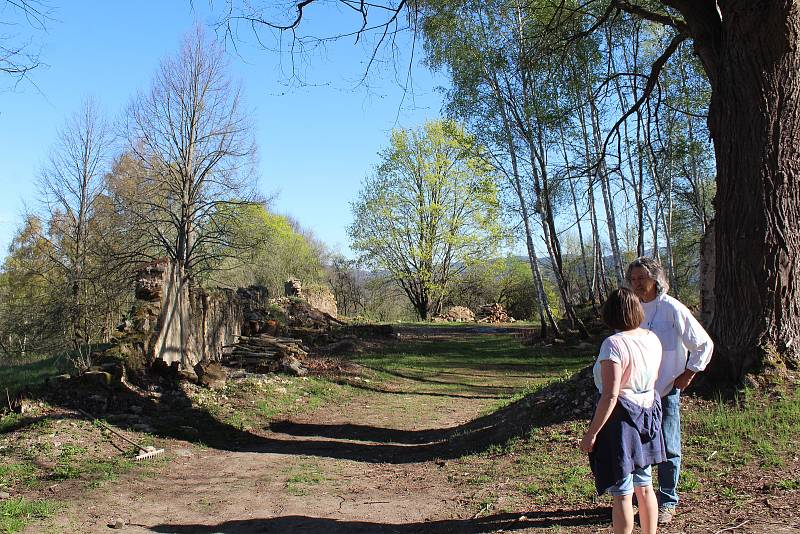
x=622, y=310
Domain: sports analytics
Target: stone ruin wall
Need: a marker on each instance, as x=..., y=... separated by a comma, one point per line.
x=320, y=297
x=179, y=324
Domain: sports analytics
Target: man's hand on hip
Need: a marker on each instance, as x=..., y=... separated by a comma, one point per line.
x=683, y=381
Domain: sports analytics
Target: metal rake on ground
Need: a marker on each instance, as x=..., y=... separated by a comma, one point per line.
x=145, y=452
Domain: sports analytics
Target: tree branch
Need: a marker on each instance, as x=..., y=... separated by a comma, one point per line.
x=653, y=16
x=652, y=80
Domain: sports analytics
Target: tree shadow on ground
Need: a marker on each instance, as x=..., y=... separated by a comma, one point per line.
x=375, y=389
x=354, y=432
x=169, y=413
x=165, y=413
x=505, y=522
x=387, y=445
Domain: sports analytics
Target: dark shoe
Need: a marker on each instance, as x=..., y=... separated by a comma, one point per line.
x=665, y=516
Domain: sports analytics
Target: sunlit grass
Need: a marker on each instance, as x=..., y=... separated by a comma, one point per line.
x=15, y=513
x=752, y=429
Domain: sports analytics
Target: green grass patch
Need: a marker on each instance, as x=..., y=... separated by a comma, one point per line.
x=9, y=422
x=789, y=484
x=15, y=376
x=68, y=465
x=560, y=478
x=469, y=364
x=298, y=395
x=253, y=402
x=303, y=477
x=491, y=352
x=751, y=429
x=16, y=513
x=14, y=473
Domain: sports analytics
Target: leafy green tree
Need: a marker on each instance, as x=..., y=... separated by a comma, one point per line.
x=33, y=310
x=266, y=249
x=429, y=210
x=507, y=281
x=517, y=292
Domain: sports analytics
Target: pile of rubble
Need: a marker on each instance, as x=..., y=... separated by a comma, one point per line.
x=300, y=314
x=493, y=313
x=456, y=314
x=265, y=353
x=572, y=398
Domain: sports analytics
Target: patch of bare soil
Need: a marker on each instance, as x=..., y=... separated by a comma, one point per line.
x=394, y=459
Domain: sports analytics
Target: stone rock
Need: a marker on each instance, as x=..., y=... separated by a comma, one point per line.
x=97, y=378
x=97, y=403
x=321, y=298
x=58, y=380
x=4, y=495
x=187, y=374
x=115, y=368
x=291, y=365
x=119, y=418
x=183, y=453
x=293, y=288
x=211, y=374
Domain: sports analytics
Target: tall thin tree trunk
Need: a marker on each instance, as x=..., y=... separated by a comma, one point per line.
x=586, y=273
x=598, y=264
x=540, y=182
x=545, y=315
x=603, y=177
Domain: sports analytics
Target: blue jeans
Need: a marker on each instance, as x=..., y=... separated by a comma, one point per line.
x=669, y=470
x=641, y=477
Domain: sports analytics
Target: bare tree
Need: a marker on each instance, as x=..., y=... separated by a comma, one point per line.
x=17, y=54
x=279, y=27
x=343, y=278
x=193, y=153
x=71, y=184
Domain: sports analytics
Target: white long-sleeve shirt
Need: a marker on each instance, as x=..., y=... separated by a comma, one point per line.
x=679, y=333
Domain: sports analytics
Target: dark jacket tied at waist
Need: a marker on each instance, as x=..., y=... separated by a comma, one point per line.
x=630, y=439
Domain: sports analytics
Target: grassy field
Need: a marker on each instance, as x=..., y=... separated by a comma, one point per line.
x=464, y=362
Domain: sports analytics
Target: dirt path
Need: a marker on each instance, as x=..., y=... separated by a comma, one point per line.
x=342, y=468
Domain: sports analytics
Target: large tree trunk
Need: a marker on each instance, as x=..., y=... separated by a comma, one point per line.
x=753, y=59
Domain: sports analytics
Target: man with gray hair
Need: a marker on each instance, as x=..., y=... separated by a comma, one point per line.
x=686, y=350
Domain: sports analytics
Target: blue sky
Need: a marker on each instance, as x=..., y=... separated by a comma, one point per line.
x=315, y=142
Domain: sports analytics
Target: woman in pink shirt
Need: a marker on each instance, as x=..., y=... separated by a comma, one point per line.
x=624, y=438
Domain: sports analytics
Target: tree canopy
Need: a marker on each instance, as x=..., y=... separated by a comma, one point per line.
x=428, y=211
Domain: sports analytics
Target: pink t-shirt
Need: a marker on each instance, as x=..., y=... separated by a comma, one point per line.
x=639, y=355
